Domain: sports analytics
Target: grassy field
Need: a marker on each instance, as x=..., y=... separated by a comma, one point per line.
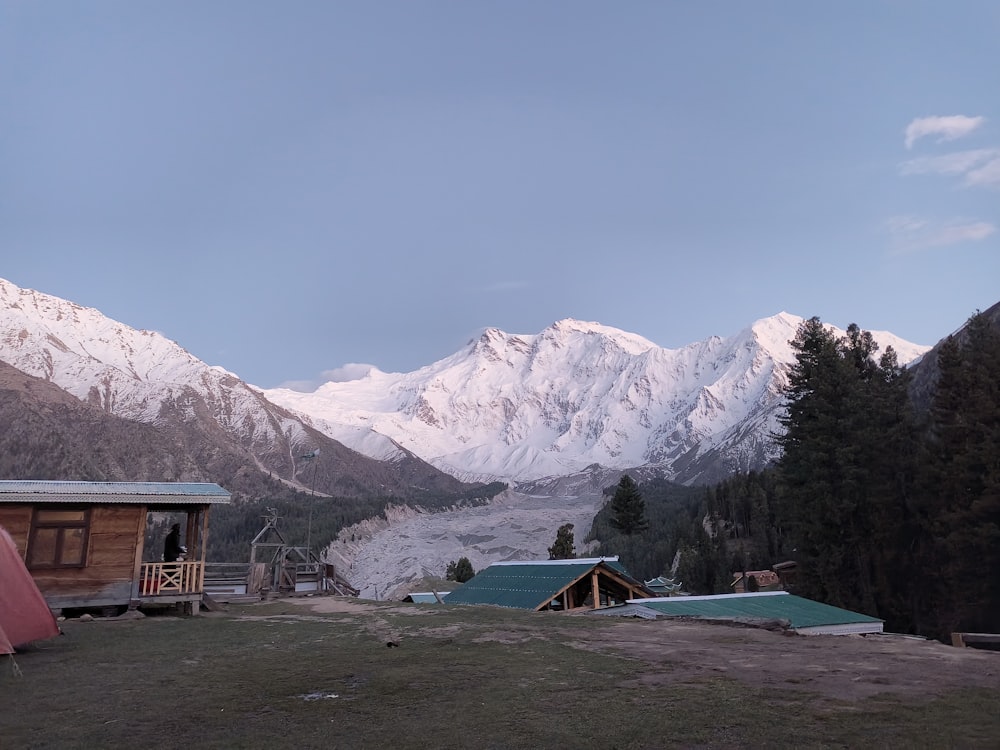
x=282, y=675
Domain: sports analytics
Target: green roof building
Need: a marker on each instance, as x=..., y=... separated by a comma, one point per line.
x=585, y=583
x=803, y=615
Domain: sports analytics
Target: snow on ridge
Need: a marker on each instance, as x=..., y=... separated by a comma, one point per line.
x=522, y=407
x=511, y=406
x=131, y=373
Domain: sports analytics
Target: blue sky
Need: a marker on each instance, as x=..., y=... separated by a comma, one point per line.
x=285, y=188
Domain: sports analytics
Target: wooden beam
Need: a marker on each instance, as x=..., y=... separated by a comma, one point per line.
x=204, y=545
x=596, y=589
x=140, y=537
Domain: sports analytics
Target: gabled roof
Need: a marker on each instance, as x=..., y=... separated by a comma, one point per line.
x=530, y=585
x=804, y=615
x=425, y=597
x=137, y=493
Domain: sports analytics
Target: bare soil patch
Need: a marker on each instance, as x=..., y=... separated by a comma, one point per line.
x=849, y=668
x=843, y=667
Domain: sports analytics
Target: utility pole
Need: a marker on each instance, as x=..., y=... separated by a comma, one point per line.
x=312, y=493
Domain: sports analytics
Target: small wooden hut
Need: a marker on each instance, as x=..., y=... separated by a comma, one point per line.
x=561, y=585
x=83, y=542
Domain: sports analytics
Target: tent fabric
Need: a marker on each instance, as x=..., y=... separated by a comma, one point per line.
x=24, y=615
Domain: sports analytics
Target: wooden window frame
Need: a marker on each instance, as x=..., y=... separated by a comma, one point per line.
x=61, y=528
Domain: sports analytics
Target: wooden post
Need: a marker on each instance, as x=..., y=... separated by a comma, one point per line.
x=140, y=540
x=203, y=556
x=596, y=589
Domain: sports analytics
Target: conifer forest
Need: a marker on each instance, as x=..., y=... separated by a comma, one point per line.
x=887, y=494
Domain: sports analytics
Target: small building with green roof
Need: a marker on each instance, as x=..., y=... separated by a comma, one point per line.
x=562, y=585
x=802, y=615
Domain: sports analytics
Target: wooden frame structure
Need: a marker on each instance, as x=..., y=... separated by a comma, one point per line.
x=291, y=569
x=83, y=542
x=603, y=586
x=559, y=585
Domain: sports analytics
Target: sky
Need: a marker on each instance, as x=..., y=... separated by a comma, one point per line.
x=291, y=189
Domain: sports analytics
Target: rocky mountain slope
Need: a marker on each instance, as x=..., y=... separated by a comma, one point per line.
x=524, y=407
x=561, y=413
x=212, y=424
x=925, y=372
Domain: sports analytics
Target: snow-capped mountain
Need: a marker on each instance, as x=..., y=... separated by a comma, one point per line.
x=144, y=377
x=511, y=407
x=524, y=407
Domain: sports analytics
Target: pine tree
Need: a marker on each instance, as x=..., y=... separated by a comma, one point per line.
x=460, y=570
x=843, y=467
x=963, y=484
x=562, y=548
x=628, y=507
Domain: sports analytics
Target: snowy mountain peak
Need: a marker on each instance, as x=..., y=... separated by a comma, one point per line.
x=569, y=329
x=507, y=406
x=57, y=340
x=774, y=333
x=523, y=407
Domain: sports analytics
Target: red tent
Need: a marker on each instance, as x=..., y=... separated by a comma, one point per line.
x=24, y=615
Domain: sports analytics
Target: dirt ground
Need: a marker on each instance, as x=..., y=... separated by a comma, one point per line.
x=846, y=667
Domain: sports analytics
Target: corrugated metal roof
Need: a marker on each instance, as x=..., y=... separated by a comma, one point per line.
x=166, y=493
x=801, y=613
x=527, y=585
x=569, y=561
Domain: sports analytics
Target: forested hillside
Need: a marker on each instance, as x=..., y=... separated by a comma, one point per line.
x=887, y=509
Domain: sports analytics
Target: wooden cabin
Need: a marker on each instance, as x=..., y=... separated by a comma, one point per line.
x=85, y=542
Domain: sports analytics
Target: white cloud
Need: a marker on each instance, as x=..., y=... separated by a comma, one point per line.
x=948, y=128
x=986, y=175
x=346, y=373
x=910, y=233
x=302, y=386
x=958, y=162
x=343, y=374
x=903, y=224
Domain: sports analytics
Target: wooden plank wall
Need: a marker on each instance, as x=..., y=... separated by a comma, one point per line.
x=17, y=520
x=115, y=533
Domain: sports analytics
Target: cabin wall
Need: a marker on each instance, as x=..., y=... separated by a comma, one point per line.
x=17, y=520
x=116, y=531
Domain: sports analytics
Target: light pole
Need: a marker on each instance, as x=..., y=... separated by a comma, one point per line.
x=312, y=493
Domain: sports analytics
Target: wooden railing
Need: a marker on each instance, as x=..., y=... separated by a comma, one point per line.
x=166, y=579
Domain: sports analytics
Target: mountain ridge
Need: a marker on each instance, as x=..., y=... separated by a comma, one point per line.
x=509, y=407
x=145, y=378
x=521, y=407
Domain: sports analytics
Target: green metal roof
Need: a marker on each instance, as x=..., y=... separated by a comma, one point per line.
x=425, y=597
x=801, y=613
x=163, y=493
x=527, y=585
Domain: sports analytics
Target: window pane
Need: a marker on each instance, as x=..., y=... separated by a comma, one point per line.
x=60, y=516
x=72, y=549
x=43, y=547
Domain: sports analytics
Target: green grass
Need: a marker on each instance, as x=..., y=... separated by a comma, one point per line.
x=329, y=681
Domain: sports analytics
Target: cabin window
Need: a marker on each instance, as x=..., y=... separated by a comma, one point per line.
x=58, y=538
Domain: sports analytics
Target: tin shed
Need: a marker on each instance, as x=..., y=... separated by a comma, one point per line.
x=584, y=583
x=803, y=615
